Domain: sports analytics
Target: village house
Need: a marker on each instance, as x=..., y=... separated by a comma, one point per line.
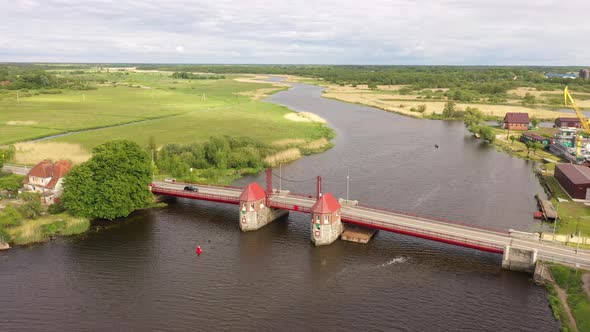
x=516, y=121
x=46, y=178
x=563, y=122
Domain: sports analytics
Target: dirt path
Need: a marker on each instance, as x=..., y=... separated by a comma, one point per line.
x=563, y=298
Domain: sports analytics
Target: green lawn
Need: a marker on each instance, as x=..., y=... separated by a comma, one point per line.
x=176, y=110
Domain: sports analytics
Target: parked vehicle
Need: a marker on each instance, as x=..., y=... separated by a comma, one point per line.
x=191, y=188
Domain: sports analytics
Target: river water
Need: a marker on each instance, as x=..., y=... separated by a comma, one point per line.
x=143, y=274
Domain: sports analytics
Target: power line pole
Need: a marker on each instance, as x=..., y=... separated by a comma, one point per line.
x=280, y=177
x=347, y=182
x=555, y=221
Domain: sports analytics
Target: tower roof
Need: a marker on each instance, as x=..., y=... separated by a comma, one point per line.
x=326, y=204
x=252, y=192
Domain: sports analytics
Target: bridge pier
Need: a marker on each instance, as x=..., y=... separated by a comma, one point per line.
x=254, y=214
x=519, y=259
x=326, y=226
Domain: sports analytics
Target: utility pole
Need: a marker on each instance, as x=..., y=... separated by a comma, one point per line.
x=555, y=222
x=280, y=177
x=347, y=182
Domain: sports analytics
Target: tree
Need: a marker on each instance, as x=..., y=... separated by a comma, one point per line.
x=534, y=122
x=6, y=154
x=512, y=138
x=487, y=134
x=112, y=184
x=32, y=206
x=529, y=146
x=11, y=183
x=449, y=109
x=537, y=146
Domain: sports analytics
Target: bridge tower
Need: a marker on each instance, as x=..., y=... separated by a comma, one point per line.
x=254, y=213
x=326, y=226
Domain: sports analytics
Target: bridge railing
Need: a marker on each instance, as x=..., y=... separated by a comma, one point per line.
x=196, y=195
x=198, y=184
x=426, y=217
x=290, y=207
x=427, y=234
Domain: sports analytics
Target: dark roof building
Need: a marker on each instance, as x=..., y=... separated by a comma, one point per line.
x=530, y=137
x=563, y=122
x=575, y=180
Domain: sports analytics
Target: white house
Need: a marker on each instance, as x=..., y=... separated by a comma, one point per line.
x=46, y=178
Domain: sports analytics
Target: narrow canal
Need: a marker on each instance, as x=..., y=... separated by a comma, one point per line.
x=142, y=274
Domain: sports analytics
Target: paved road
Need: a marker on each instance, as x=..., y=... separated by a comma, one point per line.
x=203, y=189
x=15, y=169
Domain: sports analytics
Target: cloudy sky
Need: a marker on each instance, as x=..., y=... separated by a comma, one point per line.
x=506, y=32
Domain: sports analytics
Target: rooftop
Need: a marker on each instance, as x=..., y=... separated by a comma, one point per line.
x=326, y=204
x=516, y=118
x=47, y=169
x=252, y=192
x=576, y=173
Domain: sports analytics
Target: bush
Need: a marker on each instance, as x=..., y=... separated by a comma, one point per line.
x=10, y=217
x=56, y=208
x=53, y=228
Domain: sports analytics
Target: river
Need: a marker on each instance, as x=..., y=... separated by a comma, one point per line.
x=143, y=274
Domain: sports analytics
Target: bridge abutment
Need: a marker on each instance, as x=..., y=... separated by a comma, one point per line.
x=326, y=225
x=519, y=259
x=254, y=214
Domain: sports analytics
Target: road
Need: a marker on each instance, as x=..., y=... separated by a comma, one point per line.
x=449, y=232
x=15, y=169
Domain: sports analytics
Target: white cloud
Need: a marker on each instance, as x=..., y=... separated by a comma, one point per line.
x=284, y=31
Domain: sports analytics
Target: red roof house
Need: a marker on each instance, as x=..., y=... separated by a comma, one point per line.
x=516, y=121
x=326, y=204
x=46, y=178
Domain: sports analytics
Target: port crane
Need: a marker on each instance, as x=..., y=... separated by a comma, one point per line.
x=568, y=99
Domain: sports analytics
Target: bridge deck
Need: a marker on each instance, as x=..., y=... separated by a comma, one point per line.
x=470, y=236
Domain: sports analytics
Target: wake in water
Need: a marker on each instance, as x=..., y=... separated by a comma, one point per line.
x=396, y=260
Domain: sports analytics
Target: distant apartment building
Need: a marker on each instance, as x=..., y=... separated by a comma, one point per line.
x=46, y=178
x=585, y=74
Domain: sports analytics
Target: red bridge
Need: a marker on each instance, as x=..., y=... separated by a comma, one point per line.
x=520, y=250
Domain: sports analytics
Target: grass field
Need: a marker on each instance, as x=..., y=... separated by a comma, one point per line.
x=139, y=105
x=571, y=281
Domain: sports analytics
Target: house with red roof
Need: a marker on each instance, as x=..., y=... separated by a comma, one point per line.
x=516, y=121
x=46, y=178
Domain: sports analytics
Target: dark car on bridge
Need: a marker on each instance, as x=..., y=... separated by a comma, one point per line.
x=191, y=188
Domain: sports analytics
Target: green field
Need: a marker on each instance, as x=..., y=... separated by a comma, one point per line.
x=149, y=104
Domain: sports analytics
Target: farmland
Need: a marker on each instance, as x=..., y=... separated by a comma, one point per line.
x=141, y=106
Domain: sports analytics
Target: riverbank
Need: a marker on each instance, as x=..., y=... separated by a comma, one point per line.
x=569, y=301
x=44, y=228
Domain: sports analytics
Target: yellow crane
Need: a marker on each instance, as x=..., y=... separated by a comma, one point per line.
x=568, y=99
